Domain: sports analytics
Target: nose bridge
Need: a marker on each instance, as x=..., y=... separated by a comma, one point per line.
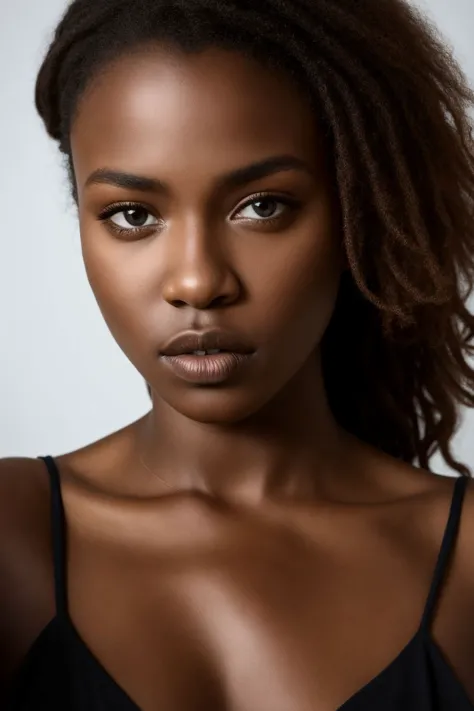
x=199, y=273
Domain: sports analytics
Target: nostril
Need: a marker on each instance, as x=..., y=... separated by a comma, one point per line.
x=178, y=303
x=222, y=300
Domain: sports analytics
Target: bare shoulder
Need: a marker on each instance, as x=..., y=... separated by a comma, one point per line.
x=417, y=515
x=428, y=514
x=26, y=599
x=430, y=498
x=456, y=609
x=23, y=521
x=461, y=563
x=464, y=552
x=419, y=505
x=23, y=494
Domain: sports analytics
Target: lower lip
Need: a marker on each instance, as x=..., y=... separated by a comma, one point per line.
x=207, y=369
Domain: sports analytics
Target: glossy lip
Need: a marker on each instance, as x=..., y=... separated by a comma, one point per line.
x=179, y=356
x=187, y=342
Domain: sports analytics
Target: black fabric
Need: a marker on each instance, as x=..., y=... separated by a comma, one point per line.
x=60, y=672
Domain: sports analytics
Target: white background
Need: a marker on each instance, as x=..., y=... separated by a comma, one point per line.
x=63, y=380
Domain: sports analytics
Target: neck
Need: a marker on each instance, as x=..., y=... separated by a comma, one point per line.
x=288, y=449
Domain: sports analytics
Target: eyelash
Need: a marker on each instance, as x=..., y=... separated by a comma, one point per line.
x=117, y=208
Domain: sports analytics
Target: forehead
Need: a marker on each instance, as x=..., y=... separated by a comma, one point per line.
x=157, y=107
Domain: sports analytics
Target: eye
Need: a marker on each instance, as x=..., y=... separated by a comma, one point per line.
x=266, y=208
x=128, y=217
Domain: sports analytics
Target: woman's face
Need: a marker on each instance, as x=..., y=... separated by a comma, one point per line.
x=190, y=248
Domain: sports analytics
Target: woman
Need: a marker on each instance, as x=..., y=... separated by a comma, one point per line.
x=275, y=204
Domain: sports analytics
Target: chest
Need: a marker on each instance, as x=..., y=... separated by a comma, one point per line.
x=246, y=619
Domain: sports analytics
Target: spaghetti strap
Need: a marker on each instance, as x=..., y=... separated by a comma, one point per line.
x=58, y=526
x=447, y=546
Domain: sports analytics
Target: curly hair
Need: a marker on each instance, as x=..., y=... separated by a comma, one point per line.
x=393, y=105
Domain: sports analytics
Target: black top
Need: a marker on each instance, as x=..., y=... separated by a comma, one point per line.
x=60, y=672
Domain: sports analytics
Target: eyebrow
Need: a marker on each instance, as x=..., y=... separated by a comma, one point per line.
x=235, y=179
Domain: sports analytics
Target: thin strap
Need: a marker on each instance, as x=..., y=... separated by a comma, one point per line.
x=58, y=525
x=447, y=546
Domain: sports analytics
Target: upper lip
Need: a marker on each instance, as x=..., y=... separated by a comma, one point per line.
x=190, y=341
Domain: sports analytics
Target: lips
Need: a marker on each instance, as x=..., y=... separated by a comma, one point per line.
x=208, y=357
x=207, y=343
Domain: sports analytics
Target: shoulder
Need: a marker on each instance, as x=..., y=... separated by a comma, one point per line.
x=463, y=553
x=420, y=526
x=24, y=488
x=452, y=617
x=24, y=506
x=459, y=590
x=460, y=538
x=25, y=557
x=431, y=502
x=418, y=520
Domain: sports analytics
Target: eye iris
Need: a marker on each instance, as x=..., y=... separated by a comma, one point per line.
x=136, y=216
x=268, y=208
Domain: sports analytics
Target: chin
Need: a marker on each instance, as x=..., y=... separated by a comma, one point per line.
x=217, y=406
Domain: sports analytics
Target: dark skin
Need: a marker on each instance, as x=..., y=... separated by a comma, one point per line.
x=286, y=563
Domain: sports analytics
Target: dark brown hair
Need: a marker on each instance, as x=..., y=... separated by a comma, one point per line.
x=394, y=107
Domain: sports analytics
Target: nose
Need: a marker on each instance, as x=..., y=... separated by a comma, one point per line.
x=200, y=276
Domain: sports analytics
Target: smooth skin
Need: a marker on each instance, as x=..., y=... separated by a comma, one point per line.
x=289, y=563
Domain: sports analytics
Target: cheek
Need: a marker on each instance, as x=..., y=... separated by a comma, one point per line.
x=299, y=291
x=116, y=275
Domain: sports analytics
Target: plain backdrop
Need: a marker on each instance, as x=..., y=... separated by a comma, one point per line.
x=63, y=381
